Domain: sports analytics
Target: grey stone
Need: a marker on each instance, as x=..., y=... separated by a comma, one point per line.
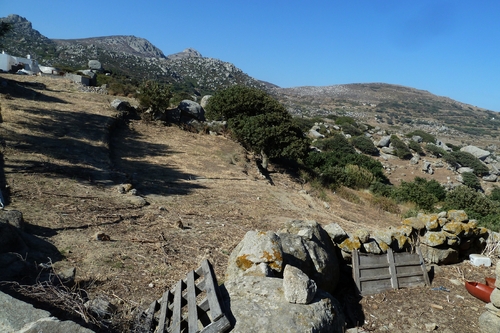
x=441, y=256
x=477, y=152
x=315, y=134
x=13, y=218
x=387, y=150
x=489, y=323
x=336, y=233
x=298, y=287
x=464, y=169
x=495, y=297
x=414, y=160
x=120, y=105
x=490, y=178
x=101, y=307
x=18, y=316
x=204, y=100
x=95, y=65
x=255, y=248
x=372, y=247
x=259, y=305
x=384, y=141
x=417, y=138
x=432, y=238
x=190, y=110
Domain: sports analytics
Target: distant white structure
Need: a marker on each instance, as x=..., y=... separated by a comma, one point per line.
x=9, y=63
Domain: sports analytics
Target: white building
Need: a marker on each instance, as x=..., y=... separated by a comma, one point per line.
x=8, y=62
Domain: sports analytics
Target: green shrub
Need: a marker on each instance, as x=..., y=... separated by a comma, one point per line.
x=426, y=137
x=495, y=194
x=380, y=189
x=365, y=145
x=476, y=204
x=258, y=122
x=304, y=123
x=466, y=159
x=342, y=120
x=434, y=150
x=358, y=177
x=400, y=148
x=337, y=143
x=154, y=95
x=425, y=194
x=351, y=130
x=415, y=146
x=470, y=180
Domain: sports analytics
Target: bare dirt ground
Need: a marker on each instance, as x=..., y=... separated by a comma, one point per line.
x=64, y=157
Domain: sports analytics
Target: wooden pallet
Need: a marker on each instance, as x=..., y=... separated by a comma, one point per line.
x=375, y=273
x=194, y=305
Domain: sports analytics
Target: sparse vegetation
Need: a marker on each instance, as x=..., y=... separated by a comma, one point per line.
x=365, y=145
x=401, y=149
x=426, y=137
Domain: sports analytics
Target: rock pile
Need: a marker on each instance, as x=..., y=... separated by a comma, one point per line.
x=489, y=321
x=443, y=237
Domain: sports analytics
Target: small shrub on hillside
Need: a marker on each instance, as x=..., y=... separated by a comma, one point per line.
x=337, y=143
x=357, y=177
x=365, y=145
x=453, y=147
x=466, y=159
x=400, y=148
x=425, y=194
x=476, y=204
x=495, y=194
x=471, y=180
x=380, y=189
x=415, y=146
x=426, y=137
x=342, y=120
x=304, y=123
x=154, y=95
x=351, y=130
x=434, y=150
x=348, y=195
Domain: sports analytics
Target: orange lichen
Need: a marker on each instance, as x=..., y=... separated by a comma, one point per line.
x=243, y=262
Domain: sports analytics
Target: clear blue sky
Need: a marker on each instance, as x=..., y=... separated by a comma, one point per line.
x=450, y=48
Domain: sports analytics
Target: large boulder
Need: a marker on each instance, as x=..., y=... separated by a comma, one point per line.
x=258, y=305
x=17, y=316
x=477, y=152
x=320, y=250
x=190, y=110
x=259, y=254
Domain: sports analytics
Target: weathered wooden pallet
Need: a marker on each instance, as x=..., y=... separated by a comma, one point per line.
x=194, y=305
x=375, y=273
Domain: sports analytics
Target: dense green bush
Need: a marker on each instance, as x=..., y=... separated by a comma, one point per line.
x=434, y=150
x=337, y=143
x=358, y=177
x=425, y=194
x=466, y=159
x=154, y=95
x=400, y=148
x=426, y=137
x=476, y=204
x=415, y=146
x=365, y=145
x=351, y=130
x=342, y=120
x=382, y=189
x=495, y=194
x=305, y=124
x=258, y=122
x=470, y=180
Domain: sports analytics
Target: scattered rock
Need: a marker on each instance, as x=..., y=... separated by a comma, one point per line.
x=101, y=236
x=13, y=218
x=100, y=306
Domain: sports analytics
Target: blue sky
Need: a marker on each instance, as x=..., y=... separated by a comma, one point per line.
x=448, y=47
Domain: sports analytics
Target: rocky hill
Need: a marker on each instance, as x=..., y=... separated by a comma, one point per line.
x=394, y=107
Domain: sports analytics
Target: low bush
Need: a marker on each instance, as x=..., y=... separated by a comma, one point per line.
x=470, y=180
x=415, y=146
x=426, y=137
x=365, y=145
x=154, y=95
x=466, y=159
x=434, y=150
x=400, y=148
x=425, y=194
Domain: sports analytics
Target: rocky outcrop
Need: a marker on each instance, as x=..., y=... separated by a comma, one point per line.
x=477, y=152
x=258, y=304
x=18, y=316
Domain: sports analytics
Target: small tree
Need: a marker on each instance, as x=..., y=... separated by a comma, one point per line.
x=154, y=95
x=259, y=122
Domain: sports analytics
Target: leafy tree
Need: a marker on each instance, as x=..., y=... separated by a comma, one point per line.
x=154, y=95
x=259, y=122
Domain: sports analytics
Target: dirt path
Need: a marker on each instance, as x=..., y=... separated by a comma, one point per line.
x=65, y=162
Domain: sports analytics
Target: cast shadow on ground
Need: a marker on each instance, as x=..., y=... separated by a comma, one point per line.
x=87, y=146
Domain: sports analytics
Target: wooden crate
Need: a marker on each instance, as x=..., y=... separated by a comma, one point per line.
x=194, y=305
x=375, y=273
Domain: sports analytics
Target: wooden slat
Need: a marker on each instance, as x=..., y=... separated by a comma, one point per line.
x=355, y=268
x=422, y=266
x=165, y=313
x=375, y=278
x=210, y=287
x=221, y=325
x=148, y=323
x=392, y=269
x=191, y=303
x=176, y=314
